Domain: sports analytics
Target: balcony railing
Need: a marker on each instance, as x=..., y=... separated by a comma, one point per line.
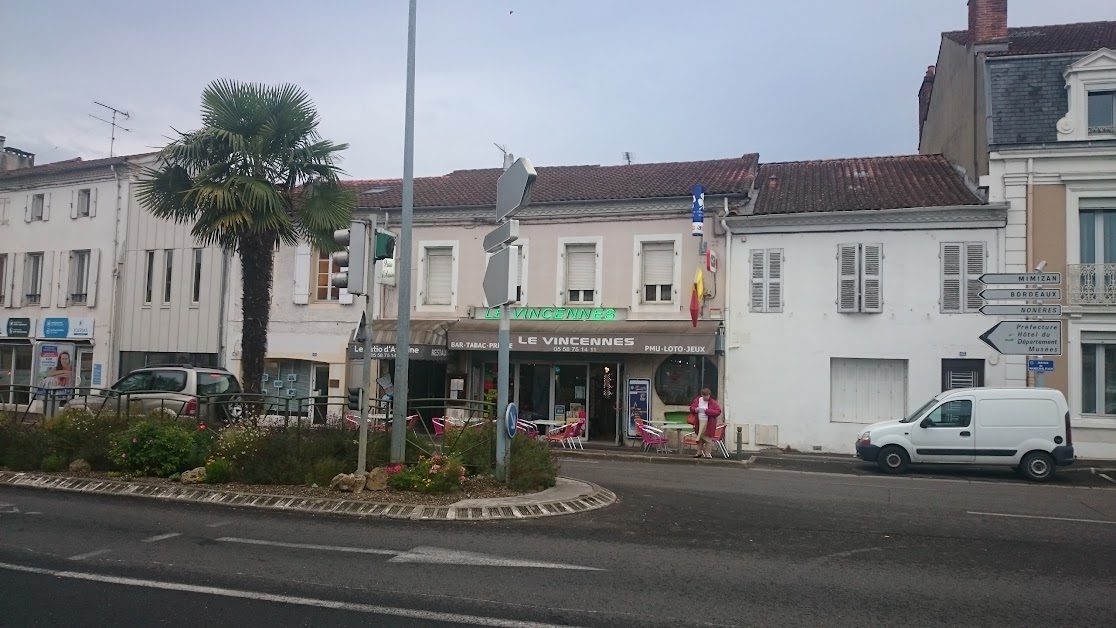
x=1091, y=284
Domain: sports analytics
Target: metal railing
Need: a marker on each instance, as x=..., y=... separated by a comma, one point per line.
x=1091, y=284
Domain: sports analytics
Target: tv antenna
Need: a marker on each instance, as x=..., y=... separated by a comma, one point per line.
x=112, y=123
x=628, y=158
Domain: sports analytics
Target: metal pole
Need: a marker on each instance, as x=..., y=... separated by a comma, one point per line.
x=503, y=369
x=369, y=312
x=403, y=322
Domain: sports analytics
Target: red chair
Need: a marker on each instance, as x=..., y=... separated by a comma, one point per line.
x=575, y=438
x=562, y=434
x=652, y=437
x=719, y=439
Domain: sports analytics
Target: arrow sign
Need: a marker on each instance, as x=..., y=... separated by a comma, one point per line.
x=1041, y=279
x=500, y=277
x=1021, y=310
x=1025, y=337
x=513, y=189
x=999, y=294
x=506, y=233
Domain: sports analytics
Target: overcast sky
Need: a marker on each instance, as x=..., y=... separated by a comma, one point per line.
x=561, y=81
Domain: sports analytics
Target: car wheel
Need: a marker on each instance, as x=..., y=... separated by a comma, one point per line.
x=1037, y=466
x=893, y=459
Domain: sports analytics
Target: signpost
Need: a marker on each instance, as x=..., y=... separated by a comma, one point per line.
x=1008, y=279
x=1025, y=337
x=1021, y=310
x=513, y=193
x=1002, y=294
x=1037, y=336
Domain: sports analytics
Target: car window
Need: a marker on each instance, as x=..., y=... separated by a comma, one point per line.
x=133, y=382
x=952, y=414
x=217, y=384
x=168, y=381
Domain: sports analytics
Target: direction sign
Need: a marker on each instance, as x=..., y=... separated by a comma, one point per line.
x=1040, y=366
x=513, y=188
x=1025, y=337
x=505, y=233
x=999, y=294
x=1041, y=279
x=500, y=277
x=1021, y=310
x=512, y=420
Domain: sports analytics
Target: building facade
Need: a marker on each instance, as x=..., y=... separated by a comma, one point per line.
x=854, y=297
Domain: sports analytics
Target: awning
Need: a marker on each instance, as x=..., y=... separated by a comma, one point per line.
x=648, y=337
x=427, y=340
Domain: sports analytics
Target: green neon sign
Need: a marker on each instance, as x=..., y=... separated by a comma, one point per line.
x=555, y=313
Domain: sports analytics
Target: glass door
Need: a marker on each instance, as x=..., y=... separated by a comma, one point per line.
x=534, y=391
x=571, y=397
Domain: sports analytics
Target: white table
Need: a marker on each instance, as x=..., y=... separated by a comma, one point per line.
x=675, y=427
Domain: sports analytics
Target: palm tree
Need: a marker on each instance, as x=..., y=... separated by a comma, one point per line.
x=256, y=175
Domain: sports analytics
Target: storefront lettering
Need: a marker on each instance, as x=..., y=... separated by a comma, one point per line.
x=555, y=314
x=563, y=341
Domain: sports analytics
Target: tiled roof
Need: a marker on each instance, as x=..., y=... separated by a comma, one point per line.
x=69, y=165
x=469, y=188
x=861, y=183
x=1037, y=40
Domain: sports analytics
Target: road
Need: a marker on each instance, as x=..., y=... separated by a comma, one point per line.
x=685, y=545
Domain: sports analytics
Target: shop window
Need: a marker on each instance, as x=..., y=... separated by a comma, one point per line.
x=1098, y=378
x=680, y=378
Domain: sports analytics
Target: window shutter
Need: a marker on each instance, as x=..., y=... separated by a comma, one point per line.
x=439, y=276
x=519, y=273
x=951, y=277
x=974, y=268
x=27, y=209
x=775, y=280
x=581, y=267
x=46, y=285
x=302, y=274
x=15, y=287
x=46, y=207
x=848, y=282
x=93, y=203
x=757, y=294
x=658, y=263
x=94, y=272
x=65, y=271
x=73, y=204
x=8, y=279
x=872, y=289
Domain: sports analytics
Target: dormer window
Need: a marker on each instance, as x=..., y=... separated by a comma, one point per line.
x=1091, y=96
x=1102, y=112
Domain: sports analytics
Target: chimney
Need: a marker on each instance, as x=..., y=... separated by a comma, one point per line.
x=2, y=140
x=772, y=182
x=509, y=159
x=987, y=21
x=924, y=98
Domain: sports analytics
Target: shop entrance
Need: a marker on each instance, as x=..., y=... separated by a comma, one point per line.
x=564, y=392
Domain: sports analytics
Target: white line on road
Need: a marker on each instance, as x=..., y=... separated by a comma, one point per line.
x=1107, y=478
x=218, y=524
x=846, y=554
x=162, y=537
x=433, y=616
x=1002, y=514
x=90, y=554
x=327, y=548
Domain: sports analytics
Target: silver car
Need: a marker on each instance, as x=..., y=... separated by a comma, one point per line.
x=177, y=391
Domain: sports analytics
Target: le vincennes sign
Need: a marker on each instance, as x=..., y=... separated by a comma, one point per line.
x=651, y=343
x=588, y=314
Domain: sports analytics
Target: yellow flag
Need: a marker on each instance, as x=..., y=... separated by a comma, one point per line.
x=699, y=284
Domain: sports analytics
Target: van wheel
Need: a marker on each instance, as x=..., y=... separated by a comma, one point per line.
x=1037, y=466
x=893, y=459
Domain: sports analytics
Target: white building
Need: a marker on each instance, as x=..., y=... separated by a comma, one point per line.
x=854, y=297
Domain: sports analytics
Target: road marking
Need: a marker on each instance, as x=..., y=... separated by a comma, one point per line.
x=162, y=537
x=1107, y=478
x=6, y=508
x=438, y=556
x=218, y=524
x=409, y=613
x=34, y=513
x=1002, y=514
x=328, y=548
x=847, y=554
x=90, y=554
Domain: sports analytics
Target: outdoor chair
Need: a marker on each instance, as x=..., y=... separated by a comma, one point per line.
x=652, y=437
x=561, y=434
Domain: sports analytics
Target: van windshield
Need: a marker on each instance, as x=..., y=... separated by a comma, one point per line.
x=917, y=413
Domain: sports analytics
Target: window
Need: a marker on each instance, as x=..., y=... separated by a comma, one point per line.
x=680, y=378
x=33, y=278
x=962, y=265
x=1098, y=377
x=134, y=382
x=79, y=277
x=3, y=279
x=324, y=288
x=38, y=202
x=859, y=285
x=149, y=280
x=657, y=268
x=438, y=271
x=867, y=390
x=168, y=381
x=82, y=209
x=168, y=269
x=195, y=291
x=767, y=280
x=581, y=273
x=952, y=414
x=1102, y=113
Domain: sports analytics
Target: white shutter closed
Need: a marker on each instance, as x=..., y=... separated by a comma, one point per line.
x=7, y=277
x=974, y=268
x=871, y=280
x=46, y=284
x=658, y=263
x=848, y=259
x=439, y=276
x=756, y=300
x=46, y=207
x=302, y=274
x=774, y=280
x=581, y=267
x=951, y=277
x=93, y=203
x=73, y=204
x=867, y=390
x=16, y=279
x=65, y=269
x=94, y=273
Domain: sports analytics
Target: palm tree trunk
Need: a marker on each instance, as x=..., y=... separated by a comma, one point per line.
x=257, y=261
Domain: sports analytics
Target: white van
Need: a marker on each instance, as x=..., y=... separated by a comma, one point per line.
x=1025, y=428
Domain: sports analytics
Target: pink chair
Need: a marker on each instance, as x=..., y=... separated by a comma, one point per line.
x=575, y=438
x=719, y=439
x=439, y=424
x=561, y=434
x=652, y=437
x=527, y=428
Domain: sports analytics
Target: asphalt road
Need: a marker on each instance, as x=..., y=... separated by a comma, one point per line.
x=685, y=545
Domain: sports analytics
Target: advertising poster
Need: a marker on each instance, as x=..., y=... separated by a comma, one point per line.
x=54, y=367
x=639, y=403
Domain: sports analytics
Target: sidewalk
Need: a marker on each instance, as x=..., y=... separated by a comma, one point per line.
x=567, y=497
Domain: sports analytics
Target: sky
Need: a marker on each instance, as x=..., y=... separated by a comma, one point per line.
x=563, y=82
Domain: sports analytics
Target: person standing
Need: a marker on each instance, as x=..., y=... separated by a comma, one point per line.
x=704, y=412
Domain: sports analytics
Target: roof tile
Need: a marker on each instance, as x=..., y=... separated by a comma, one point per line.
x=1037, y=40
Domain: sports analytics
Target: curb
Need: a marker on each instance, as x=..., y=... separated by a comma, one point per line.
x=592, y=497
x=657, y=458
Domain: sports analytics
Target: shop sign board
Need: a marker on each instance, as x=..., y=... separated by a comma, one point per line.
x=639, y=403
x=16, y=327
x=433, y=353
x=63, y=327
x=588, y=314
x=597, y=342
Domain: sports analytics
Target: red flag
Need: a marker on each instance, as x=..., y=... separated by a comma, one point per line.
x=695, y=298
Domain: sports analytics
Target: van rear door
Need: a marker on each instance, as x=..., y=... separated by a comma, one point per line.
x=946, y=434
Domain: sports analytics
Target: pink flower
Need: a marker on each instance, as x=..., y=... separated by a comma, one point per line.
x=135, y=440
x=123, y=455
x=437, y=458
x=202, y=426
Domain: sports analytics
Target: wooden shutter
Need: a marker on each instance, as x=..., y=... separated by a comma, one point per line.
x=848, y=283
x=951, y=277
x=93, y=202
x=581, y=267
x=73, y=204
x=27, y=208
x=658, y=263
x=974, y=268
x=439, y=276
x=94, y=271
x=871, y=290
x=757, y=300
x=65, y=273
x=774, y=280
x=46, y=207
x=301, y=274
x=46, y=285
x=6, y=271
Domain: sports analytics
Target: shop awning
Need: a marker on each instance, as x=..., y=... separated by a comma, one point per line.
x=427, y=340
x=649, y=337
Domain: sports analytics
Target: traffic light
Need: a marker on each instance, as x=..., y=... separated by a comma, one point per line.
x=353, y=257
x=385, y=245
x=354, y=399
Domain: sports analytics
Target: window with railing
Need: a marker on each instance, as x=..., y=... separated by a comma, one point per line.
x=1093, y=281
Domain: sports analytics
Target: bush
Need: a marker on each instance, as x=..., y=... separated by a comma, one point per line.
x=54, y=462
x=25, y=447
x=204, y=441
x=532, y=465
x=474, y=446
x=218, y=471
x=379, y=448
x=436, y=474
x=325, y=469
x=152, y=448
x=78, y=433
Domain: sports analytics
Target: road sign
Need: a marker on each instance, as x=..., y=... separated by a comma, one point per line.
x=1021, y=310
x=1041, y=279
x=505, y=233
x=512, y=419
x=500, y=277
x=1040, y=366
x=1025, y=337
x=513, y=189
x=1000, y=294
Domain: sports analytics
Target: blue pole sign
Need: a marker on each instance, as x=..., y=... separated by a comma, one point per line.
x=698, y=218
x=1040, y=366
x=512, y=419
